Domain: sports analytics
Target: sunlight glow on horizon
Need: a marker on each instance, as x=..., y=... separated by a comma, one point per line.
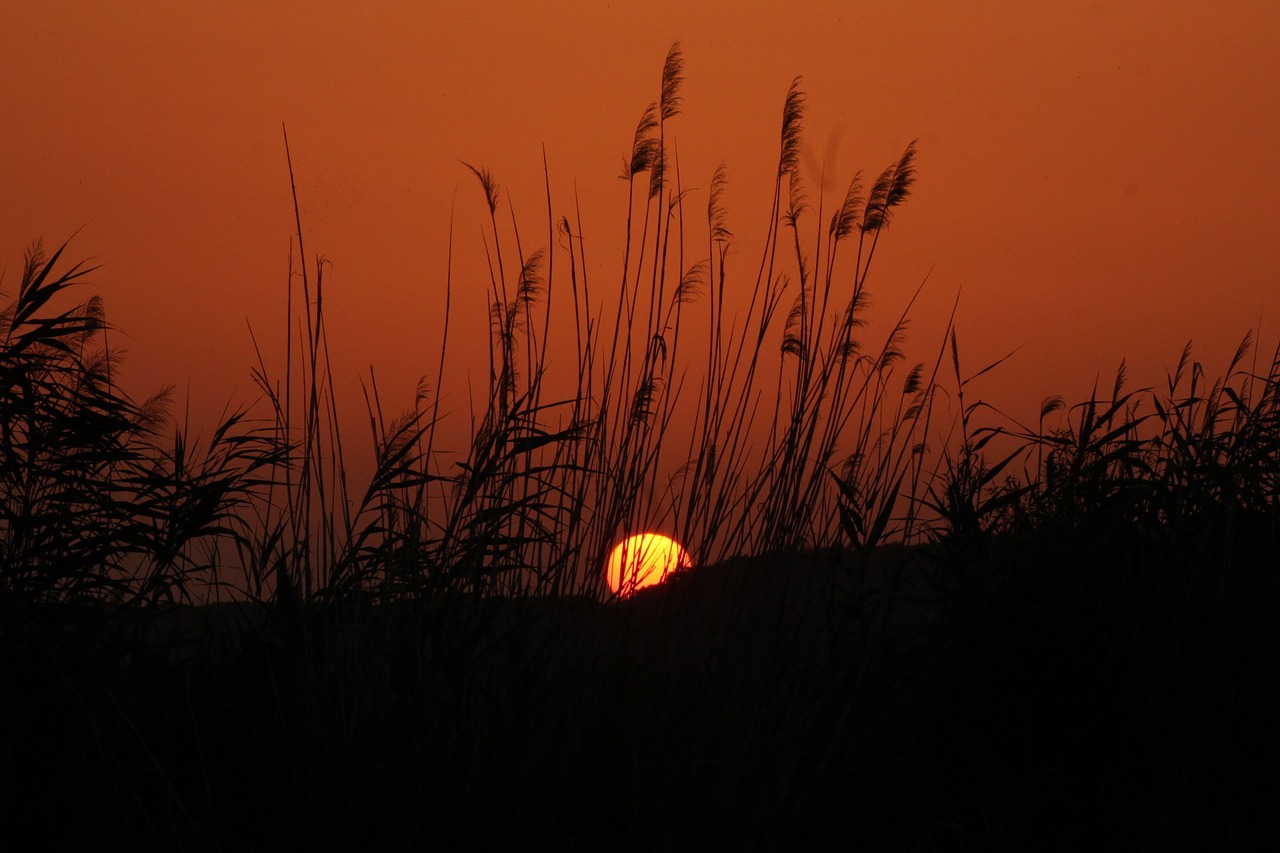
x=642, y=560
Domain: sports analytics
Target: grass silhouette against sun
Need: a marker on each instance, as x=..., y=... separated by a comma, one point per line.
x=642, y=560
x=1069, y=638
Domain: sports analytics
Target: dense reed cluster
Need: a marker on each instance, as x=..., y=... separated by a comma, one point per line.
x=792, y=409
x=209, y=638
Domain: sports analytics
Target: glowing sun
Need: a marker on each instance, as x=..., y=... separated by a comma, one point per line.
x=643, y=560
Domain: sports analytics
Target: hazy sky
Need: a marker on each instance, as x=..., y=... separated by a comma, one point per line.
x=1098, y=179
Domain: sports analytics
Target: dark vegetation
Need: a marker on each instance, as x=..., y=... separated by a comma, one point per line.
x=906, y=629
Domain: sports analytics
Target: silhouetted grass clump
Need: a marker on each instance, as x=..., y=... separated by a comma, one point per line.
x=903, y=628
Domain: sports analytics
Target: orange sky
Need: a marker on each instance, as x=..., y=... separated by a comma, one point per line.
x=1100, y=179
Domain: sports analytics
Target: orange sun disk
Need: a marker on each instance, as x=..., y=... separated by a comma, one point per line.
x=643, y=560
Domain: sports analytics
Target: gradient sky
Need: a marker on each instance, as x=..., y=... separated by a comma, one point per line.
x=1098, y=179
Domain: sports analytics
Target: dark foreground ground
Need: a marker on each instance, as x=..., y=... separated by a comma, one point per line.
x=992, y=702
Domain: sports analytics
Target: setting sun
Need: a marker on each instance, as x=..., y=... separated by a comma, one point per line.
x=643, y=560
